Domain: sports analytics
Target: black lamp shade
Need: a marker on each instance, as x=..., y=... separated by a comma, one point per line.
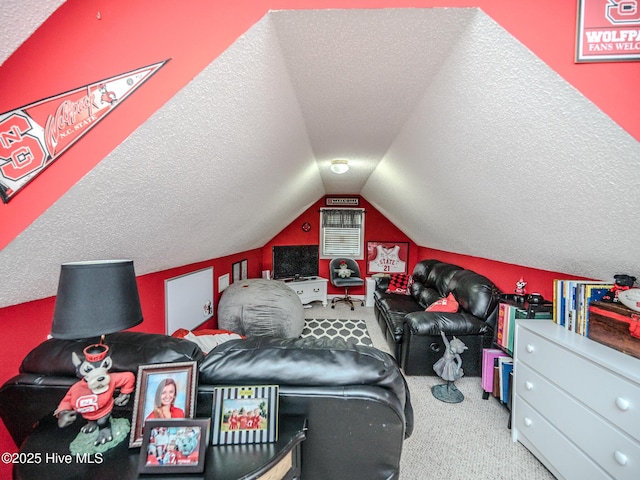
x=96, y=298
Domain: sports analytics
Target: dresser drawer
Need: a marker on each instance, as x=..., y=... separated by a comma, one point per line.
x=614, y=451
x=303, y=293
x=603, y=390
x=308, y=293
x=557, y=452
x=310, y=290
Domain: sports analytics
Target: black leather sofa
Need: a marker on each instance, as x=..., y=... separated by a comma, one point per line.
x=413, y=334
x=355, y=399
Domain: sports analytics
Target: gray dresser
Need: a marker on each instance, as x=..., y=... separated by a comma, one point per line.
x=576, y=403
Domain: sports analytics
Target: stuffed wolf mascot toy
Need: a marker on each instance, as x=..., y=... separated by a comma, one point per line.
x=92, y=397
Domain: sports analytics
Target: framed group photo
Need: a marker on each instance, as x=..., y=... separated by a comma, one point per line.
x=163, y=391
x=247, y=414
x=387, y=257
x=174, y=445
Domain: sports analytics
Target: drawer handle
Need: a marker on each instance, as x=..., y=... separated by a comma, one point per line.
x=527, y=422
x=299, y=292
x=622, y=404
x=528, y=385
x=316, y=290
x=620, y=457
x=530, y=348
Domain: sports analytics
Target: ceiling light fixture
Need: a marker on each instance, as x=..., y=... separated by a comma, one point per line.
x=339, y=166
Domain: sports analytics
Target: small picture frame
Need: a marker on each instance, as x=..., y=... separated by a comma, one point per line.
x=244, y=414
x=174, y=445
x=235, y=272
x=239, y=270
x=244, y=269
x=163, y=391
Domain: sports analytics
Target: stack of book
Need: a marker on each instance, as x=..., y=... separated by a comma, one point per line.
x=571, y=300
x=496, y=367
x=508, y=313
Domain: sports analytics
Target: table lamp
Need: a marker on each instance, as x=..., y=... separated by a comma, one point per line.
x=96, y=298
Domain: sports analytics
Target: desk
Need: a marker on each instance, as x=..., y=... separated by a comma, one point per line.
x=263, y=461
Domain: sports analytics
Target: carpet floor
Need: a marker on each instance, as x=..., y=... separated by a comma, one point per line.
x=462, y=441
x=353, y=331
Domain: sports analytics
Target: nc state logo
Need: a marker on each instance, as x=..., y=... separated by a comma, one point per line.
x=87, y=404
x=623, y=11
x=21, y=153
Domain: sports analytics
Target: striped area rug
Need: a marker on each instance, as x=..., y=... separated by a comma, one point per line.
x=353, y=331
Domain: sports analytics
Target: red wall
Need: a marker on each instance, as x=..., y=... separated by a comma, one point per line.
x=379, y=228
x=376, y=228
x=503, y=275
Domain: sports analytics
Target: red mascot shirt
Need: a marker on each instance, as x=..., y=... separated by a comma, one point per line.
x=94, y=406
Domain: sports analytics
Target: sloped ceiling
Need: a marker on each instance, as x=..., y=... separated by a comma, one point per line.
x=502, y=159
x=454, y=130
x=19, y=19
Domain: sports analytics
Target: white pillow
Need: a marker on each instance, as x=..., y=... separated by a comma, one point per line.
x=209, y=342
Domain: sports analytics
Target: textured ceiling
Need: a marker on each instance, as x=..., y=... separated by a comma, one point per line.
x=455, y=131
x=358, y=77
x=19, y=19
x=502, y=159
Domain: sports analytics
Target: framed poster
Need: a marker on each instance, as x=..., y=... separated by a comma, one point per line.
x=244, y=414
x=608, y=30
x=342, y=201
x=174, y=446
x=387, y=257
x=163, y=390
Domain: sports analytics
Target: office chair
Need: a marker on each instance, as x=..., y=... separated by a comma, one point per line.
x=354, y=280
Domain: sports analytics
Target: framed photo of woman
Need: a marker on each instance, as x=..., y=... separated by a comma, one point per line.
x=163, y=391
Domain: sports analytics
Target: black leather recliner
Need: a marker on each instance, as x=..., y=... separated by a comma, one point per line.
x=355, y=398
x=413, y=334
x=46, y=373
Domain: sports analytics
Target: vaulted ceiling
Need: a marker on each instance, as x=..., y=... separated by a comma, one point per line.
x=454, y=130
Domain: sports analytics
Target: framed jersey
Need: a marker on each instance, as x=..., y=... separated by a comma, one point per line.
x=387, y=257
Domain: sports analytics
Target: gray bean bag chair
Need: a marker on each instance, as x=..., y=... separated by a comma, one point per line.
x=258, y=307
